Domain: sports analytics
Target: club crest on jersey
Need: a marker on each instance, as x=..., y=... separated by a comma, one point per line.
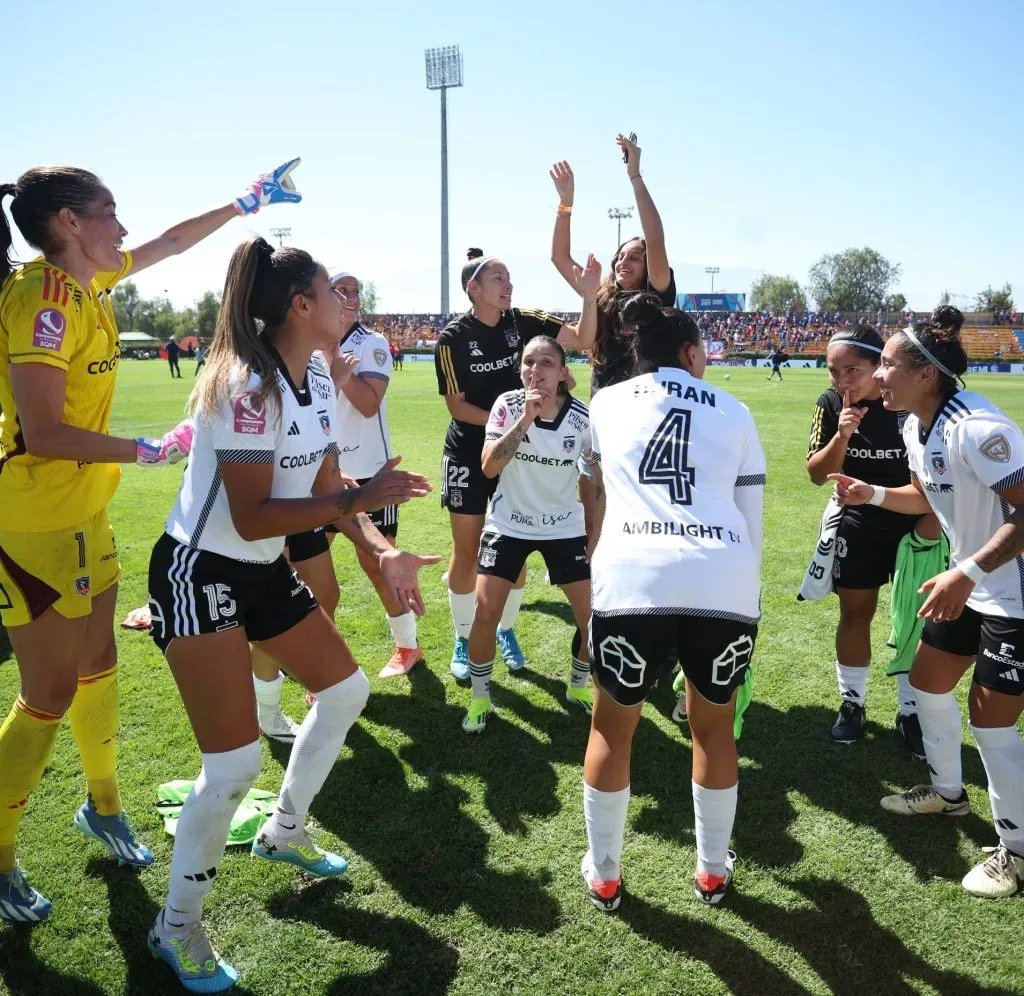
x=623, y=660
x=48, y=329
x=474, y=348
x=381, y=356
x=939, y=463
x=82, y=586
x=455, y=498
x=511, y=337
x=488, y=556
x=568, y=443
x=250, y=414
x=325, y=422
x=996, y=448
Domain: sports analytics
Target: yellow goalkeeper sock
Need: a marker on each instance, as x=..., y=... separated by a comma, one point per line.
x=95, y=720
x=26, y=742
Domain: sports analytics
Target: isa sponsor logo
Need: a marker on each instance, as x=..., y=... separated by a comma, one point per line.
x=82, y=586
x=48, y=329
x=250, y=414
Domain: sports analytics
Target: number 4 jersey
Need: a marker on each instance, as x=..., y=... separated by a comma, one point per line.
x=684, y=475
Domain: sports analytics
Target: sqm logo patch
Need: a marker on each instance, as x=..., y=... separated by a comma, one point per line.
x=623, y=660
x=250, y=414
x=381, y=356
x=82, y=586
x=500, y=415
x=48, y=329
x=996, y=448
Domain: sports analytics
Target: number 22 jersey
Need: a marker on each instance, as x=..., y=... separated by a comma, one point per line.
x=684, y=473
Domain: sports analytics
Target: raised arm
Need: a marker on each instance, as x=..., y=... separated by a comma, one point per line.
x=268, y=188
x=658, y=272
x=561, y=255
x=587, y=280
x=498, y=452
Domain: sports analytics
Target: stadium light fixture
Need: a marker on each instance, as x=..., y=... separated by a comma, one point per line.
x=616, y=215
x=712, y=270
x=280, y=234
x=444, y=70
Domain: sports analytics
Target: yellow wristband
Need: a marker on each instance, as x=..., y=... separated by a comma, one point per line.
x=565, y=209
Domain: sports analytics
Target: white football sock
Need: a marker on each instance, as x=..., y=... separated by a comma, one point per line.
x=714, y=812
x=905, y=691
x=268, y=693
x=940, y=729
x=1002, y=753
x=853, y=683
x=580, y=673
x=463, y=609
x=203, y=827
x=403, y=629
x=480, y=677
x=316, y=748
x=510, y=613
x=605, y=815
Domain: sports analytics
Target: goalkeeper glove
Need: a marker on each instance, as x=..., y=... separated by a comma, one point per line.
x=270, y=188
x=173, y=447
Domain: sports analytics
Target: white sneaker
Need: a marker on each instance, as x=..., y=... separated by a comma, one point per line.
x=1001, y=874
x=679, y=710
x=923, y=800
x=277, y=726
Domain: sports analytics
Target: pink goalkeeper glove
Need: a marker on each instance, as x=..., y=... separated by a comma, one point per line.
x=172, y=448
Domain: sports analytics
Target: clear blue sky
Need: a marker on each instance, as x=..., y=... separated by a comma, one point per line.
x=771, y=132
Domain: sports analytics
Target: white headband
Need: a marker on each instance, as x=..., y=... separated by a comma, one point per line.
x=480, y=266
x=909, y=333
x=340, y=275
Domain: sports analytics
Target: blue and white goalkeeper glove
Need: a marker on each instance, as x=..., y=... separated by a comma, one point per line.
x=270, y=188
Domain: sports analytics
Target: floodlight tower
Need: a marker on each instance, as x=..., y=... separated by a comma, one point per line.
x=712, y=270
x=280, y=234
x=444, y=70
x=617, y=214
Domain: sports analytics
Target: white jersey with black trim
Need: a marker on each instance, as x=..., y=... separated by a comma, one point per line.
x=683, y=473
x=364, y=443
x=246, y=430
x=970, y=454
x=536, y=493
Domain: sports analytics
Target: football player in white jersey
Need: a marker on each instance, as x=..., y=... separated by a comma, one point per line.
x=265, y=442
x=679, y=485
x=533, y=440
x=966, y=461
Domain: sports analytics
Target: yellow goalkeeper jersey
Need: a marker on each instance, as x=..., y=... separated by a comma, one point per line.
x=47, y=317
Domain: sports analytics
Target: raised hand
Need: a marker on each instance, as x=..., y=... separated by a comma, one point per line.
x=565, y=183
x=947, y=595
x=850, y=417
x=270, y=188
x=588, y=278
x=534, y=403
x=400, y=569
x=343, y=368
x=632, y=153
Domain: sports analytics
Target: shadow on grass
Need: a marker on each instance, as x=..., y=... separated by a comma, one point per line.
x=842, y=942
x=793, y=752
x=23, y=974
x=418, y=962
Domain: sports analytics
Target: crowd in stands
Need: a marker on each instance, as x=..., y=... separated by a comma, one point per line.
x=794, y=332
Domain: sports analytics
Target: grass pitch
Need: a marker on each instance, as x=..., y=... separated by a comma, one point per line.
x=465, y=851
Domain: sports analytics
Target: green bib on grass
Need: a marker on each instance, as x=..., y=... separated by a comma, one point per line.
x=249, y=818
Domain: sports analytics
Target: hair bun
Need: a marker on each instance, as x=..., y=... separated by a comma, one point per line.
x=474, y=254
x=641, y=309
x=948, y=321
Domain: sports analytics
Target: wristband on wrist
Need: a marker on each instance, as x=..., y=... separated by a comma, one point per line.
x=636, y=176
x=565, y=209
x=972, y=570
x=877, y=496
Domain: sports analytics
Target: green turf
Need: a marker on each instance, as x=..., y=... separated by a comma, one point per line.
x=465, y=851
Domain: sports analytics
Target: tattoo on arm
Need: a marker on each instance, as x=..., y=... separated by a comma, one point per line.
x=345, y=500
x=1006, y=544
x=506, y=447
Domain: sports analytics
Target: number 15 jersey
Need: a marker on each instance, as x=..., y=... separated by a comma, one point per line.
x=684, y=475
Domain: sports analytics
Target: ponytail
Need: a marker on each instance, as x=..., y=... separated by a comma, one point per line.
x=258, y=291
x=936, y=341
x=660, y=332
x=6, y=236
